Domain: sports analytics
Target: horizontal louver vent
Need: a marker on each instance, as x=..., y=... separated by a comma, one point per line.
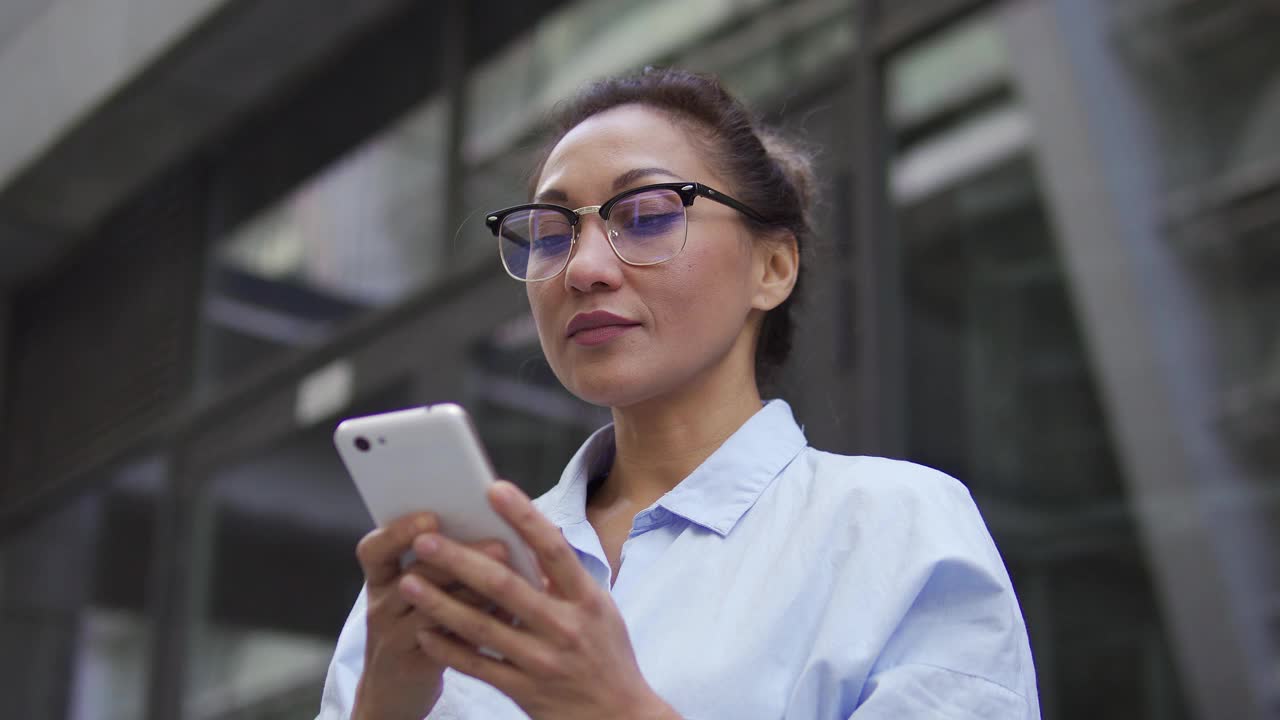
x=102, y=347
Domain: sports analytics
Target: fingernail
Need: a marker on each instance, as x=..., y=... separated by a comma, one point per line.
x=426, y=545
x=411, y=585
x=423, y=523
x=502, y=494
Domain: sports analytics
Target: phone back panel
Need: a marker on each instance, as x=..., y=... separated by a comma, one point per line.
x=427, y=458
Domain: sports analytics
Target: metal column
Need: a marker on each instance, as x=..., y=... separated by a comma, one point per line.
x=181, y=563
x=1145, y=330
x=876, y=272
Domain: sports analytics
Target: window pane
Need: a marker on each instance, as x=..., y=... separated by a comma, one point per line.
x=73, y=604
x=279, y=574
x=1002, y=393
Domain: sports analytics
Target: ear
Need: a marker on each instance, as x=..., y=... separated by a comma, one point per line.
x=777, y=266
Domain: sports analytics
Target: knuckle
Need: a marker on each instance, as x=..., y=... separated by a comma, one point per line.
x=543, y=664
x=505, y=584
x=570, y=633
x=594, y=603
x=557, y=551
x=477, y=629
x=527, y=515
x=367, y=547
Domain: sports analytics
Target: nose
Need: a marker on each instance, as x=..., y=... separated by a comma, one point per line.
x=593, y=266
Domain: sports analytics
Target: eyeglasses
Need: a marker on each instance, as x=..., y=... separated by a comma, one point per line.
x=645, y=226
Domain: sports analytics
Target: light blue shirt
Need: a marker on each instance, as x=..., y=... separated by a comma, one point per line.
x=780, y=581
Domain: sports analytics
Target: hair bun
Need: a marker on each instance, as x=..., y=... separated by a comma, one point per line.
x=796, y=163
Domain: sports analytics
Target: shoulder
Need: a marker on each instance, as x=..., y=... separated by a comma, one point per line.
x=883, y=481
x=910, y=549
x=901, y=506
x=878, y=473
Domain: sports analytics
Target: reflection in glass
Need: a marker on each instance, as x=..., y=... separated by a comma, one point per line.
x=278, y=570
x=75, y=635
x=1002, y=396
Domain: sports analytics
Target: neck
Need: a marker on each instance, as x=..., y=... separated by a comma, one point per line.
x=660, y=441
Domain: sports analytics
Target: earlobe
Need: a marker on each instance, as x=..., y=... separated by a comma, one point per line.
x=778, y=267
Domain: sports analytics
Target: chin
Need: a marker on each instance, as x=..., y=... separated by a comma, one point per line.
x=606, y=392
x=608, y=385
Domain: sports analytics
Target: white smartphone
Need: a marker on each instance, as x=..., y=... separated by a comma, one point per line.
x=429, y=458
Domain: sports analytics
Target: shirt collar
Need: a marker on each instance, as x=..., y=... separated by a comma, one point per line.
x=716, y=494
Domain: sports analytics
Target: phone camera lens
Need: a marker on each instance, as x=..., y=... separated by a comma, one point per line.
x=362, y=444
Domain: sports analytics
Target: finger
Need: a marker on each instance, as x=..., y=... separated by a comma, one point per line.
x=453, y=587
x=386, y=607
x=442, y=577
x=403, y=633
x=445, y=580
x=479, y=629
x=493, y=580
x=556, y=557
x=379, y=551
x=449, y=652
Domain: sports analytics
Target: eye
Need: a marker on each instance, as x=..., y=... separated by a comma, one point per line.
x=552, y=244
x=651, y=223
x=649, y=214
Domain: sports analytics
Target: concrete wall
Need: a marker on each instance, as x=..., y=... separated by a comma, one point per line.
x=100, y=97
x=61, y=58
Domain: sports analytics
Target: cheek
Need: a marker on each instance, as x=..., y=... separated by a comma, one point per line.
x=707, y=292
x=542, y=304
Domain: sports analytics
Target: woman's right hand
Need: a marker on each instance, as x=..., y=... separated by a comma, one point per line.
x=398, y=680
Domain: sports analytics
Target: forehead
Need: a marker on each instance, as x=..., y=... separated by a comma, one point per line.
x=612, y=142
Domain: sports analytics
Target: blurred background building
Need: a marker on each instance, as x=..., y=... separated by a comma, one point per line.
x=1050, y=266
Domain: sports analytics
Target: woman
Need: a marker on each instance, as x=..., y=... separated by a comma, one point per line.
x=700, y=560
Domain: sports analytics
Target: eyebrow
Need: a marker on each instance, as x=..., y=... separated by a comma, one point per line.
x=619, y=183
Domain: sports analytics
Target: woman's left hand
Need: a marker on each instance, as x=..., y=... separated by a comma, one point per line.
x=570, y=657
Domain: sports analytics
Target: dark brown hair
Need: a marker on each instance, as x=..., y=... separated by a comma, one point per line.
x=768, y=172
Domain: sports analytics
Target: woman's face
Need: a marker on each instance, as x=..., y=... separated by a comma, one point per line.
x=684, y=318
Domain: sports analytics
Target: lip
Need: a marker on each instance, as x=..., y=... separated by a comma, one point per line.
x=596, y=320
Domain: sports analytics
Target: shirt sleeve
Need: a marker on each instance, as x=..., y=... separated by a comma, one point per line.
x=923, y=621
x=340, y=682
x=959, y=649
x=925, y=692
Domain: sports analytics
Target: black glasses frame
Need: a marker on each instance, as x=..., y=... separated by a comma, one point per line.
x=688, y=192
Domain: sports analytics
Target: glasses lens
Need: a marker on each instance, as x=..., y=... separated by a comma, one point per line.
x=648, y=227
x=535, y=243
